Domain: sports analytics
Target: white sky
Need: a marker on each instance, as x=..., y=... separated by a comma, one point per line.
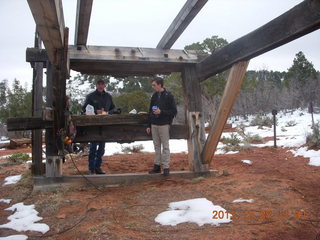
x=142, y=23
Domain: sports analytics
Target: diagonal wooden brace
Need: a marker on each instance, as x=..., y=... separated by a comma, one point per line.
x=231, y=90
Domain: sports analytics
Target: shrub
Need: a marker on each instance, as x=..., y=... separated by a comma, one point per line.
x=291, y=123
x=248, y=137
x=132, y=149
x=18, y=157
x=232, y=143
x=313, y=140
x=262, y=121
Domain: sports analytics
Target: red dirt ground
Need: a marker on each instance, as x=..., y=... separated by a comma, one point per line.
x=285, y=190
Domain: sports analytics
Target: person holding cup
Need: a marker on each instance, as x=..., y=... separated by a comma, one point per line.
x=162, y=110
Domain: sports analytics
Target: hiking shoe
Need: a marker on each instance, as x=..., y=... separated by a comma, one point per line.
x=99, y=171
x=156, y=169
x=166, y=172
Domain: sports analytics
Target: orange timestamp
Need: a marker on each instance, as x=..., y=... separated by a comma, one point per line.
x=265, y=214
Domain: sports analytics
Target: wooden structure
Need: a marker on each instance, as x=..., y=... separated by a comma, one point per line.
x=59, y=57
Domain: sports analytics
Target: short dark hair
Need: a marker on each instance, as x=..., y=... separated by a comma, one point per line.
x=158, y=80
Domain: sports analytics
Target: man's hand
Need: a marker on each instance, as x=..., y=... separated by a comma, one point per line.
x=157, y=111
x=148, y=130
x=99, y=111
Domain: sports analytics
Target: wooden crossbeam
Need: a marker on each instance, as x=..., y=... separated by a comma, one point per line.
x=180, y=23
x=128, y=60
x=231, y=90
x=28, y=123
x=298, y=21
x=48, y=16
x=84, y=8
x=124, y=133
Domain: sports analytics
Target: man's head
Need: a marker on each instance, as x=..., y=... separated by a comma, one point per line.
x=100, y=85
x=157, y=84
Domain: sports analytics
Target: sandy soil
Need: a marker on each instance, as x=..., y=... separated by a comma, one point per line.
x=285, y=190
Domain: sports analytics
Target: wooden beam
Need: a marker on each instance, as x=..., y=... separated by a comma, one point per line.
x=298, y=21
x=194, y=120
x=48, y=16
x=231, y=90
x=105, y=120
x=37, y=112
x=180, y=23
x=84, y=8
x=128, y=60
x=123, y=133
x=27, y=123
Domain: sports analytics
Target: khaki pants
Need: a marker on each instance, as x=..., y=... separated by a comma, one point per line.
x=160, y=136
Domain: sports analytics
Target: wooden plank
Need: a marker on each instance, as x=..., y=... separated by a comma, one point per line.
x=27, y=123
x=84, y=8
x=193, y=105
x=130, y=60
x=231, y=90
x=104, y=120
x=48, y=16
x=123, y=133
x=44, y=183
x=298, y=21
x=180, y=23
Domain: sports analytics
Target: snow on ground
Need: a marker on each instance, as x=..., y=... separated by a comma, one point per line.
x=249, y=162
x=24, y=218
x=5, y=200
x=200, y=211
x=12, y=179
x=15, y=237
x=240, y=200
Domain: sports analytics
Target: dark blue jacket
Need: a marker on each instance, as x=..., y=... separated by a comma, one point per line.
x=98, y=101
x=167, y=106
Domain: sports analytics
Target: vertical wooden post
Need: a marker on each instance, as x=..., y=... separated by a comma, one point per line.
x=230, y=93
x=37, y=166
x=193, y=105
x=56, y=97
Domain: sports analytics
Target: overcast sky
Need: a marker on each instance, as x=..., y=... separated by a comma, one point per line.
x=141, y=23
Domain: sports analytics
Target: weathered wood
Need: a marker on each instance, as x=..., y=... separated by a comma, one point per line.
x=18, y=142
x=48, y=16
x=231, y=90
x=27, y=123
x=123, y=133
x=53, y=167
x=45, y=183
x=180, y=23
x=37, y=112
x=115, y=119
x=84, y=8
x=34, y=55
x=298, y=21
x=48, y=114
x=193, y=104
x=128, y=60
x=51, y=147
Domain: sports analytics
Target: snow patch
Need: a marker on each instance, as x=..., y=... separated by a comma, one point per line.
x=5, y=200
x=239, y=200
x=199, y=211
x=15, y=237
x=12, y=180
x=249, y=162
x=24, y=218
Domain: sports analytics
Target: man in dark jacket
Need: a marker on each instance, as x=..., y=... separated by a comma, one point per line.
x=161, y=113
x=103, y=104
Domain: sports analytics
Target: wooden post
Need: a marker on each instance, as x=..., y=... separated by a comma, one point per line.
x=37, y=166
x=231, y=90
x=193, y=105
x=54, y=167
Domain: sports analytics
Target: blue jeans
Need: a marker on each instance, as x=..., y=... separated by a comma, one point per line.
x=95, y=155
